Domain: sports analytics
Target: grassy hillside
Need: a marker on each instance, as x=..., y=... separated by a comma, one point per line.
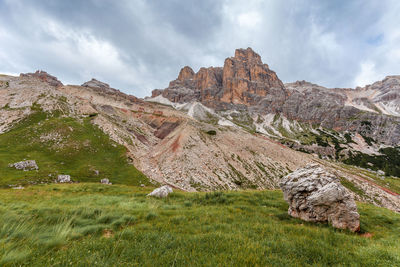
x=63, y=145
x=99, y=225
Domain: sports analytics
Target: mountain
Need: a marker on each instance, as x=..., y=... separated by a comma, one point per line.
x=243, y=81
x=218, y=129
x=167, y=145
x=351, y=125
x=372, y=111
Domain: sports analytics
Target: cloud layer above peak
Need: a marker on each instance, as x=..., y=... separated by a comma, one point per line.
x=141, y=45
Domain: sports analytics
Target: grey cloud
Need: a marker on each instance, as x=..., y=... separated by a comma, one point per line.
x=140, y=45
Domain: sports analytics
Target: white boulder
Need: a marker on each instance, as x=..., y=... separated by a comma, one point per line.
x=105, y=181
x=315, y=195
x=63, y=178
x=27, y=165
x=161, y=192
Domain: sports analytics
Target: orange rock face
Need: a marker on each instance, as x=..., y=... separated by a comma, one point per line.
x=186, y=73
x=244, y=80
x=245, y=75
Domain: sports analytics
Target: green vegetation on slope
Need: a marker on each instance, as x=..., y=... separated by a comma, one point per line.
x=389, y=161
x=391, y=183
x=99, y=225
x=63, y=145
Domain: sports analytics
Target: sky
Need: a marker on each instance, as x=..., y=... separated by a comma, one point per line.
x=140, y=45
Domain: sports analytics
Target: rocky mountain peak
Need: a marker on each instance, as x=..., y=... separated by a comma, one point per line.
x=186, y=73
x=93, y=83
x=243, y=80
x=104, y=88
x=43, y=76
x=247, y=55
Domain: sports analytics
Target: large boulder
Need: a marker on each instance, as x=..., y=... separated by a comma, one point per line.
x=26, y=165
x=161, y=192
x=315, y=195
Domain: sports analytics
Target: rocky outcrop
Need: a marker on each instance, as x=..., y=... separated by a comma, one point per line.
x=315, y=195
x=244, y=80
x=104, y=88
x=93, y=83
x=27, y=165
x=186, y=73
x=161, y=192
x=63, y=178
x=43, y=76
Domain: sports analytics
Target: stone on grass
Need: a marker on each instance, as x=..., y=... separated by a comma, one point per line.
x=27, y=165
x=18, y=187
x=161, y=192
x=105, y=181
x=63, y=178
x=315, y=195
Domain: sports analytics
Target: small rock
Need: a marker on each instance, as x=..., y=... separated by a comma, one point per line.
x=27, y=165
x=105, y=181
x=63, y=178
x=161, y=192
x=315, y=195
x=142, y=185
x=380, y=172
x=18, y=187
x=96, y=172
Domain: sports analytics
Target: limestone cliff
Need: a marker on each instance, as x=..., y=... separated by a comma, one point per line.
x=243, y=80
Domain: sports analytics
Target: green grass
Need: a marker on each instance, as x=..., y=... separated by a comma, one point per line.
x=99, y=225
x=64, y=146
x=349, y=185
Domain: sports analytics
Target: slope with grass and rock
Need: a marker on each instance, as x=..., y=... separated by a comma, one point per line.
x=93, y=132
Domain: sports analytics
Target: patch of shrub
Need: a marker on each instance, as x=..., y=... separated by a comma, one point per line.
x=151, y=216
x=187, y=203
x=106, y=219
x=213, y=198
x=389, y=161
x=91, y=229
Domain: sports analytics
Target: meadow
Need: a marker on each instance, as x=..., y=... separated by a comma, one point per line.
x=90, y=224
x=64, y=145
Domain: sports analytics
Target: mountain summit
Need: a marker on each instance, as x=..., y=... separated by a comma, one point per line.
x=243, y=80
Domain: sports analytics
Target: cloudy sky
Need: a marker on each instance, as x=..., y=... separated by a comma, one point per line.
x=139, y=45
